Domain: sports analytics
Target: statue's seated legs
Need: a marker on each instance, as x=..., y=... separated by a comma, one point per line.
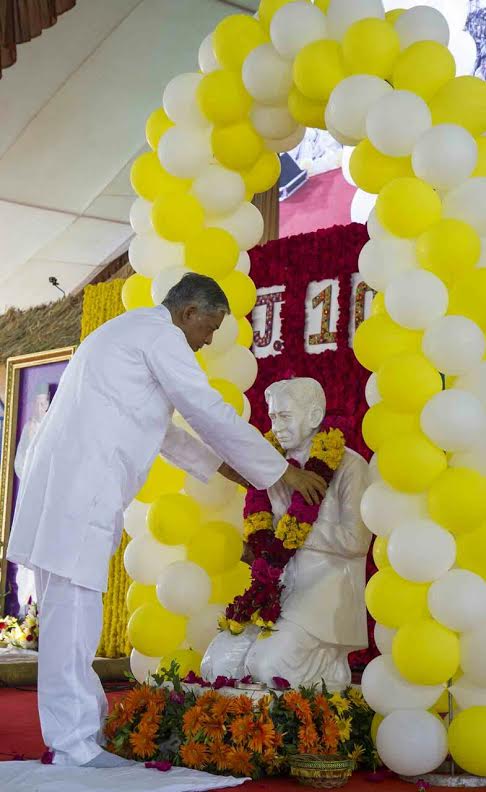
x=293, y=654
x=226, y=655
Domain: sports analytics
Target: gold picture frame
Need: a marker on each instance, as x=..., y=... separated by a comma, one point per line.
x=15, y=373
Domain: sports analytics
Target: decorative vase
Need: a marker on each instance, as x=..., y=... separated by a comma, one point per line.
x=321, y=772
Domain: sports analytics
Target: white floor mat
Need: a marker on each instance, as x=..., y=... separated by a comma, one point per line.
x=35, y=777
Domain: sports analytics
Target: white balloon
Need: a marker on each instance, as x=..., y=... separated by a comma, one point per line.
x=149, y=254
x=385, y=690
x=396, y=122
x=445, y=156
x=272, y=122
x=215, y=494
x=453, y=419
x=206, y=58
x=135, y=519
x=422, y=23
x=143, y=667
x=203, y=627
x=372, y=393
x=474, y=458
x=244, y=263
x=350, y=102
x=458, y=600
x=180, y=103
x=185, y=151
x=412, y=742
x=145, y=558
x=231, y=513
x=375, y=228
x=381, y=261
x=416, y=298
x=383, y=508
x=467, y=203
x=454, y=344
x=473, y=655
x=343, y=13
x=164, y=281
x=467, y=694
x=373, y=472
x=347, y=152
x=474, y=381
x=267, y=77
x=294, y=26
x=246, y=225
x=384, y=638
x=288, y=143
x=238, y=365
x=141, y=216
x=183, y=587
x=223, y=339
x=343, y=139
x=421, y=551
x=246, y=414
x=362, y=204
x=219, y=190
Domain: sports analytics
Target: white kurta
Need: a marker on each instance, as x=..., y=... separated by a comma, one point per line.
x=110, y=418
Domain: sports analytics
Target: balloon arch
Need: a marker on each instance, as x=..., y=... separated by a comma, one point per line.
x=385, y=84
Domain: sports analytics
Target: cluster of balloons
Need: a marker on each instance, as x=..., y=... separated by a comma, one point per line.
x=184, y=563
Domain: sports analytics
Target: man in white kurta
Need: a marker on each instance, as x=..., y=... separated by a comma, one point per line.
x=110, y=418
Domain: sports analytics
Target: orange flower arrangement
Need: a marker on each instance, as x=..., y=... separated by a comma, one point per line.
x=194, y=754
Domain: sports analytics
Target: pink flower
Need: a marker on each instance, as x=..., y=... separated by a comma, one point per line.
x=222, y=682
x=177, y=698
x=164, y=767
x=193, y=679
x=281, y=683
x=47, y=757
x=248, y=680
x=263, y=573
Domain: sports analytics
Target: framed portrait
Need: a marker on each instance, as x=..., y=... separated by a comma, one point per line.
x=31, y=383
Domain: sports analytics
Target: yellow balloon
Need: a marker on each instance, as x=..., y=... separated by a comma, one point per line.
x=245, y=333
x=149, y=179
x=137, y=292
x=213, y=252
x=234, y=38
x=177, y=217
x=457, y=500
x=378, y=304
x=408, y=206
x=471, y=551
x=162, y=479
x=217, y=548
x=201, y=361
x=157, y=125
x=466, y=740
x=138, y=595
x=155, y=631
x=174, y=519
x=461, y=101
x=241, y=293
x=375, y=725
x=187, y=659
x=268, y=8
x=306, y=112
x=480, y=169
x=223, y=98
x=318, y=68
x=423, y=68
x=406, y=382
x=468, y=297
x=449, y=249
x=393, y=601
x=380, y=422
x=237, y=146
x=410, y=462
x=229, y=393
x=264, y=173
x=371, y=46
x=372, y=170
x=231, y=584
x=322, y=4
x=442, y=703
x=392, y=16
x=425, y=652
x=380, y=552
x=379, y=338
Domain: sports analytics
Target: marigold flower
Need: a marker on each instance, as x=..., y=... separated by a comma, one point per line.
x=308, y=739
x=241, y=705
x=339, y=703
x=191, y=720
x=212, y=726
x=261, y=735
x=239, y=762
x=194, y=755
x=240, y=728
x=143, y=745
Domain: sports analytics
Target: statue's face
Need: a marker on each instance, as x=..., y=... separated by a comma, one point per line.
x=291, y=423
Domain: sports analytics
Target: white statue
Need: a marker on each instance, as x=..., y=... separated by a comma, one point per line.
x=323, y=615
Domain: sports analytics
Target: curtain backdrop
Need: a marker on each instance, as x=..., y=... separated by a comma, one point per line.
x=310, y=301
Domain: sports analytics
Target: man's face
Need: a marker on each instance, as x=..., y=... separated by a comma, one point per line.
x=41, y=404
x=290, y=422
x=199, y=326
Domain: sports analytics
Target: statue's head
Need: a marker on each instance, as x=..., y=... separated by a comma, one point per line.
x=296, y=408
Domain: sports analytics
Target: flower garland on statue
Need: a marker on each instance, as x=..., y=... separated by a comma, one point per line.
x=260, y=605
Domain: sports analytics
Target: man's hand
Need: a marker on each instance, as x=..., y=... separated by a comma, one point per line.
x=311, y=486
x=230, y=474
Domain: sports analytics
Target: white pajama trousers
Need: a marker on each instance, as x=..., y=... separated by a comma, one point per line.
x=72, y=704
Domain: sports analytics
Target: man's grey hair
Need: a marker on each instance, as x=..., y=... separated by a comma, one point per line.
x=197, y=290
x=304, y=391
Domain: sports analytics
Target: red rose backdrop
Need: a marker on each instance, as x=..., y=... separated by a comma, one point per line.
x=311, y=299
